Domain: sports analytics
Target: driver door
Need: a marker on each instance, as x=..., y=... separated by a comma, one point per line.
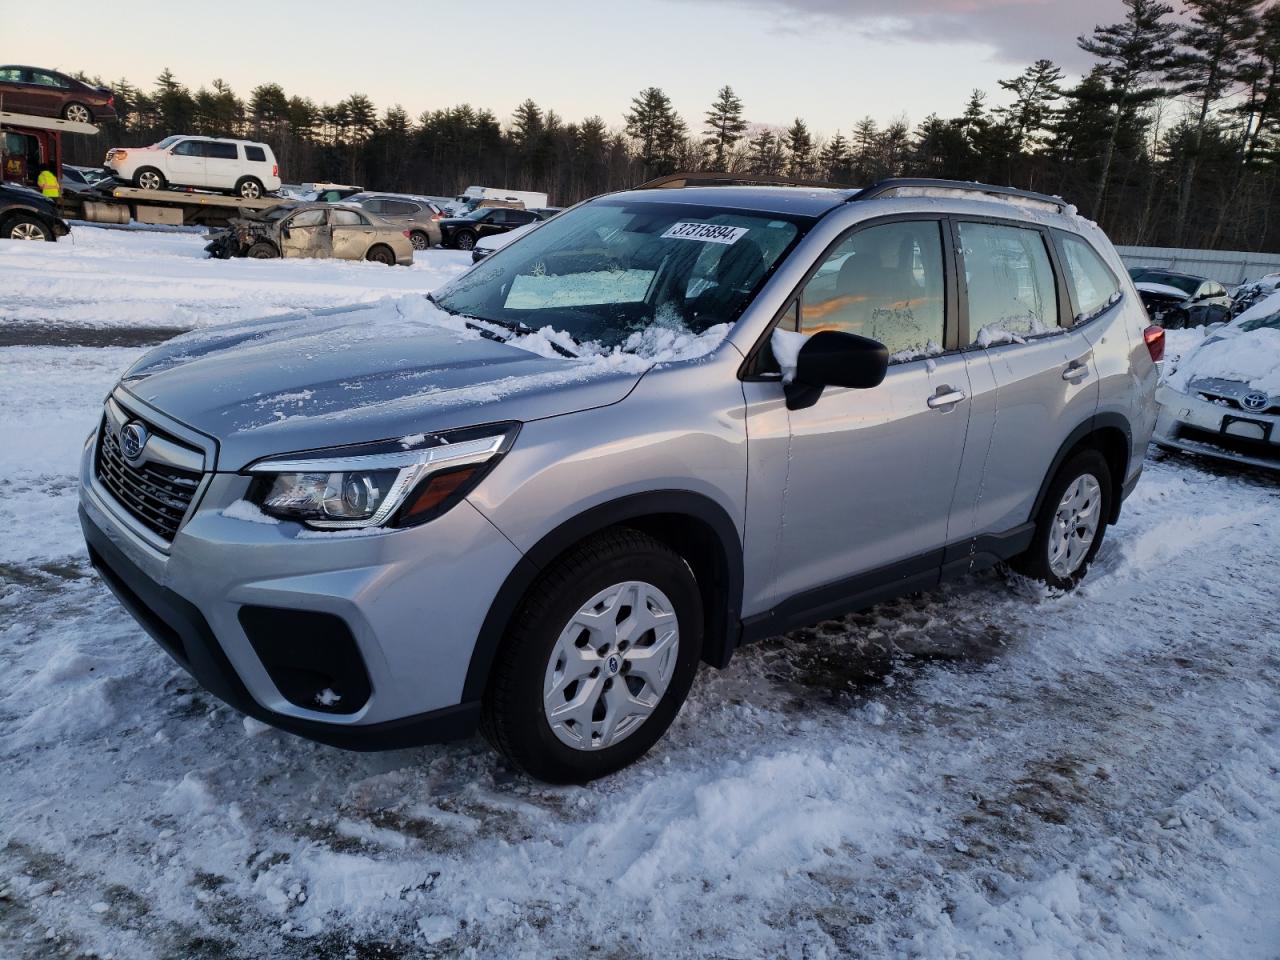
x=306, y=234
x=868, y=476
x=187, y=164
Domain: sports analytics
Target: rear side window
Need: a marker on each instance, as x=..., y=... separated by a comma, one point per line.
x=1092, y=284
x=255, y=154
x=885, y=282
x=10, y=75
x=1010, y=282
x=220, y=151
x=399, y=208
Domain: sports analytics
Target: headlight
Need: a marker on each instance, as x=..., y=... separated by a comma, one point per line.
x=394, y=483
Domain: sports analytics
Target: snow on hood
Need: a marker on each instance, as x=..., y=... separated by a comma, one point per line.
x=1252, y=358
x=401, y=366
x=1164, y=289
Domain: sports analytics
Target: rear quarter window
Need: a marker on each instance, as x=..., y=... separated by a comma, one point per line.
x=1093, y=285
x=255, y=154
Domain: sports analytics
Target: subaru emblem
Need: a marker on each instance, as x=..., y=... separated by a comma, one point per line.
x=133, y=439
x=614, y=664
x=1256, y=401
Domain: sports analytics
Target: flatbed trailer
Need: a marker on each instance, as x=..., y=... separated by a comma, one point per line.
x=120, y=204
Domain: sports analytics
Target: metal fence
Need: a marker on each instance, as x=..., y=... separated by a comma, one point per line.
x=1228, y=267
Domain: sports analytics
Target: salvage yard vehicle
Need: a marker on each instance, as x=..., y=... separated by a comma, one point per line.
x=1176, y=300
x=416, y=214
x=25, y=215
x=242, y=168
x=342, y=231
x=461, y=233
x=48, y=93
x=1223, y=400
x=747, y=407
x=496, y=241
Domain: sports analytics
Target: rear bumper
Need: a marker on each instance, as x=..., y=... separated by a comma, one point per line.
x=180, y=628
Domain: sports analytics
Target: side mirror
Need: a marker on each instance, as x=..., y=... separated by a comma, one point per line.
x=284, y=232
x=831, y=358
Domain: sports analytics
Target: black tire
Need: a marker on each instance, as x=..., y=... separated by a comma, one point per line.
x=419, y=240
x=1036, y=562
x=77, y=113
x=152, y=176
x=21, y=227
x=262, y=250
x=514, y=718
x=249, y=188
x=464, y=240
x=381, y=253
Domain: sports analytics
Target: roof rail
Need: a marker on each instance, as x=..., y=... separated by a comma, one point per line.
x=706, y=178
x=923, y=184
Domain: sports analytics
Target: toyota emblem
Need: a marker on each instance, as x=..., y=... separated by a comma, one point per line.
x=133, y=439
x=1256, y=401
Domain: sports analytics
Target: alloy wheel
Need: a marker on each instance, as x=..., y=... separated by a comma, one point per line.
x=78, y=114
x=611, y=665
x=27, y=231
x=149, y=180
x=1075, y=525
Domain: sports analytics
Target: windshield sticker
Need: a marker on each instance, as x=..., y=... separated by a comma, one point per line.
x=706, y=232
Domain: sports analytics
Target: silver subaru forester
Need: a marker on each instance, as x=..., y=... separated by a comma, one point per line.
x=662, y=425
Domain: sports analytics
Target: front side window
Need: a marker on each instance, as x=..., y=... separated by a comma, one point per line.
x=346, y=218
x=884, y=282
x=614, y=267
x=188, y=148
x=220, y=151
x=308, y=218
x=1092, y=283
x=1010, y=282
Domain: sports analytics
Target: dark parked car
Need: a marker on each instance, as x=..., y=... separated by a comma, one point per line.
x=25, y=215
x=48, y=93
x=1176, y=299
x=461, y=233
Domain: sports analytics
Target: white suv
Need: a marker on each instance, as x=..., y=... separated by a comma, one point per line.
x=240, y=167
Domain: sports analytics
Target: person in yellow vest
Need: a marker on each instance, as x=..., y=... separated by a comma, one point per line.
x=48, y=184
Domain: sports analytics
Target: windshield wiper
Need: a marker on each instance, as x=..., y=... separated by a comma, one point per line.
x=517, y=329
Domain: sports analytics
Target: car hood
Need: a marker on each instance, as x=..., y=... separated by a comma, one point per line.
x=333, y=378
x=1160, y=290
x=456, y=222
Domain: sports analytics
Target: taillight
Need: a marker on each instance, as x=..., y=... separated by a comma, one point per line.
x=407, y=234
x=1154, y=336
x=275, y=169
x=111, y=100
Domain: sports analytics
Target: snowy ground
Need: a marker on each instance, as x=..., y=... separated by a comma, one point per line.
x=985, y=771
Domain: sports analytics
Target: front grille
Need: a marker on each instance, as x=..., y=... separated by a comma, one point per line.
x=1235, y=404
x=154, y=494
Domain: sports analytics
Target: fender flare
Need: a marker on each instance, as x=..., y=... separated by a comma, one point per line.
x=1095, y=423
x=724, y=624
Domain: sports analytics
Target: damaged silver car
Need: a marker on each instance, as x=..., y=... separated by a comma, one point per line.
x=321, y=230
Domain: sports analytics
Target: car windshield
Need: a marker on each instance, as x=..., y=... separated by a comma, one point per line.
x=611, y=268
x=1187, y=285
x=1269, y=322
x=167, y=142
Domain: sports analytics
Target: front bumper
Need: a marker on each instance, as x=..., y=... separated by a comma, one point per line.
x=1192, y=424
x=410, y=604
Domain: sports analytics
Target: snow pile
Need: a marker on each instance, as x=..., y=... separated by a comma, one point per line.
x=1252, y=358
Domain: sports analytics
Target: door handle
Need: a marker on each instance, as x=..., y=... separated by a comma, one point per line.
x=1076, y=370
x=945, y=397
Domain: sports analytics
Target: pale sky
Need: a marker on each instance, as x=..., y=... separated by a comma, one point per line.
x=828, y=61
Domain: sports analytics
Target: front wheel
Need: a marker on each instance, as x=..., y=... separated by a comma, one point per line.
x=25, y=228
x=1071, y=522
x=262, y=250
x=149, y=178
x=465, y=240
x=598, y=660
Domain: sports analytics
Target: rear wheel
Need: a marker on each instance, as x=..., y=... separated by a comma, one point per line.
x=77, y=113
x=249, y=188
x=381, y=253
x=1071, y=522
x=149, y=178
x=419, y=240
x=25, y=228
x=262, y=251
x=597, y=661
x=464, y=240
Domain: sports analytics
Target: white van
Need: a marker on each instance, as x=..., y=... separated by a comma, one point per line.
x=472, y=196
x=240, y=167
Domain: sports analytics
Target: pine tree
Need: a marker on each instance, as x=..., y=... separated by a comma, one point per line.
x=1035, y=91
x=1261, y=74
x=764, y=154
x=799, y=143
x=834, y=160
x=654, y=123
x=1133, y=51
x=724, y=127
